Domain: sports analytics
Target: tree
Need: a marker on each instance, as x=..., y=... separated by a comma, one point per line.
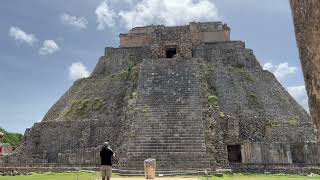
x=12, y=138
x=306, y=17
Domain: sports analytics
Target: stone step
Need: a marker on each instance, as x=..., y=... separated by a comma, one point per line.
x=167, y=139
x=159, y=159
x=154, y=135
x=172, y=155
x=150, y=121
x=173, y=104
x=174, y=165
x=150, y=144
x=152, y=127
x=163, y=140
x=167, y=129
x=163, y=127
x=133, y=151
x=164, y=146
x=170, y=129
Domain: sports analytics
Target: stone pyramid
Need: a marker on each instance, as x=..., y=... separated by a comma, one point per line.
x=185, y=95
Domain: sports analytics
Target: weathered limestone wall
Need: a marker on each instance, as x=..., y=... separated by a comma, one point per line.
x=262, y=108
x=227, y=54
x=181, y=37
x=119, y=59
x=92, y=111
x=280, y=153
x=69, y=142
x=254, y=104
x=249, y=106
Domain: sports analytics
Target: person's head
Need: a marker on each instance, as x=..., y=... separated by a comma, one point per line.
x=105, y=145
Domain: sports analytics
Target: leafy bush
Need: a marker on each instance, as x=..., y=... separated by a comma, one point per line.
x=12, y=138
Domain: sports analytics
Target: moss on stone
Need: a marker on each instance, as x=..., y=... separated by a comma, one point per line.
x=206, y=70
x=222, y=115
x=253, y=94
x=212, y=98
x=124, y=73
x=245, y=74
x=82, y=107
x=274, y=124
x=252, y=98
x=293, y=121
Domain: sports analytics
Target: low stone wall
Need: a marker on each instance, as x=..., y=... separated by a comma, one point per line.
x=295, y=154
x=276, y=168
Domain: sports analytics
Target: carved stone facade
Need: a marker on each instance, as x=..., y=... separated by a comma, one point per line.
x=182, y=38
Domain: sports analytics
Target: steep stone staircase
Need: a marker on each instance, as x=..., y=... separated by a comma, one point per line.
x=168, y=120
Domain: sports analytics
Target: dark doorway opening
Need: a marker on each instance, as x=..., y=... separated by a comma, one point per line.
x=297, y=152
x=234, y=153
x=170, y=52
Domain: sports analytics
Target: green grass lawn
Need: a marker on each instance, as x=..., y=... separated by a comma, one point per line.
x=94, y=176
x=54, y=176
x=262, y=177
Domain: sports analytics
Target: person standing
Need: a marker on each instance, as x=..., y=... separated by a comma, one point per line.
x=106, y=155
x=1, y=137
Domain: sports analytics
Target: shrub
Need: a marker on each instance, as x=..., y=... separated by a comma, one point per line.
x=212, y=98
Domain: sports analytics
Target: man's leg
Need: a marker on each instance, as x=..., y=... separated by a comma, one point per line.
x=109, y=172
x=103, y=172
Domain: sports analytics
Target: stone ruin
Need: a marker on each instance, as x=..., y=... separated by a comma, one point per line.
x=186, y=96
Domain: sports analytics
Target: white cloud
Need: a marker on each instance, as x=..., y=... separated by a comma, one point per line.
x=77, y=70
x=48, y=47
x=281, y=70
x=77, y=22
x=105, y=16
x=21, y=36
x=169, y=12
x=299, y=93
x=267, y=66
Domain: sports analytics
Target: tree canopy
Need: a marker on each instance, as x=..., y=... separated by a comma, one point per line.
x=12, y=138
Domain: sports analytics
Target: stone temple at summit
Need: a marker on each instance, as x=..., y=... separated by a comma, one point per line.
x=187, y=96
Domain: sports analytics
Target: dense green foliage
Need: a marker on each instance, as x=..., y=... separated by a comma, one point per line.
x=11, y=138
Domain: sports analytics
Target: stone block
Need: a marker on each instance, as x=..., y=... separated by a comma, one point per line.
x=150, y=168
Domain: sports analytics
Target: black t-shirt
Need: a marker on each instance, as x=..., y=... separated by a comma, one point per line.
x=106, y=156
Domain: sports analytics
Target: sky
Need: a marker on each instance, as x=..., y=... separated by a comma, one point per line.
x=46, y=45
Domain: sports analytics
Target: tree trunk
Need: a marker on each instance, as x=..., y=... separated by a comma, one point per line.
x=306, y=17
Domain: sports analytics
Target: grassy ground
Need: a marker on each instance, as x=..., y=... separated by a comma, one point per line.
x=94, y=176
